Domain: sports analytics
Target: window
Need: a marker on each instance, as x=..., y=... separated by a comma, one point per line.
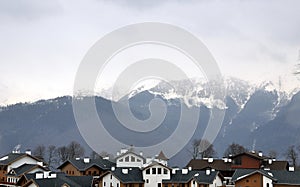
x=90, y=173
x=110, y=176
x=138, y=160
x=154, y=171
x=159, y=171
x=268, y=185
x=117, y=184
x=166, y=185
x=104, y=184
x=165, y=171
x=132, y=159
x=158, y=184
x=140, y=185
x=147, y=180
x=73, y=172
x=121, y=160
x=247, y=180
x=238, y=161
x=95, y=172
x=148, y=171
x=127, y=159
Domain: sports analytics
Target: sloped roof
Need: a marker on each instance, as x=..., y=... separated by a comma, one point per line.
x=200, y=176
x=154, y=163
x=82, y=166
x=241, y=173
x=162, y=156
x=11, y=157
x=287, y=177
x=134, y=175
x=217, y=164
x=250, y=154
x=74, y=181
x=277, y=165
x=26, y=168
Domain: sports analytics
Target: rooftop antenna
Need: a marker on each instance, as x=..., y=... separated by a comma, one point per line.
x=17, y=149
x=254, y=145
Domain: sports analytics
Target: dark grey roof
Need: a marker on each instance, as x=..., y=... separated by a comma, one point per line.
x=287, y=177
x=134, y=175
x=242, y=172
x=81, y=166
x=74, y=181
x=217, y=164
x=200, y=176
x=14, y=156
x=25, y=168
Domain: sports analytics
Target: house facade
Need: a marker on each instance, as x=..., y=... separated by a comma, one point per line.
x=86, y=167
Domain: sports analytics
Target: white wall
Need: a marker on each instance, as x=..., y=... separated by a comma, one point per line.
x=154, y=179
x=267, y=180
x=107, y=180
x=130, y=163
x=217, y=182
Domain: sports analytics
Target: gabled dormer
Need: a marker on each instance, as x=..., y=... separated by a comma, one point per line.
x=130, y=159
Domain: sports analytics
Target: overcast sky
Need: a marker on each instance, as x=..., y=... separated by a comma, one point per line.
x=43, y=42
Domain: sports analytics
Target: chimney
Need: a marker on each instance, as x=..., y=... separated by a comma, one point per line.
x=291, y=168
x=40, y=164
x=86, y=160
x=210, y=160
x=260, y=154
x=270, y=161
x=52, y=175
x=225, y=160
x=106, y=158
x=118, y=153
x=28, y=151
x=190, y=168
x=46, y=174
x=141, y=153
x=184, y=171
x=39, y=175
x=229, y=160
x=174, y=170
x=113, y=168
x=125, y=171
x=207, y=172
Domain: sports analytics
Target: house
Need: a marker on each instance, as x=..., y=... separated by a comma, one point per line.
x=15, y=174
x=51, y=179
x=15, y=160
x=194, y=178
x=246, y=160
x=128, y=158
x=253, y=178
x=122, y=177
x=221, y=165
x=86, y=166
x=155, y=173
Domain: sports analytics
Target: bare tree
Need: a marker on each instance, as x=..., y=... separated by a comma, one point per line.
x=52, y=156
x=273, y=154
x=75, y=150
x=234, y=149
x=104, y=154
x=202, y=149
x=63, y=153
x=292, y=155
x=39, y=152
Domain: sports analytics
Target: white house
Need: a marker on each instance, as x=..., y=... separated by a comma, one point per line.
x=155, y=173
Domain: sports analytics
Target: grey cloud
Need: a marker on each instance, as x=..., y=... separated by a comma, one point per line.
x=28, y=9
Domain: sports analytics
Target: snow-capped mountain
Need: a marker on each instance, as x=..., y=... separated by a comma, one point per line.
x=253, y=114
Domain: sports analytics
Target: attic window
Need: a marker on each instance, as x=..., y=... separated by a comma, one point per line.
x=159, y=171
x=121, y=160
x=138, y=160
x=132, y=159
x=154, y=171
x=165, y=171
x=148, y=171
x=127, y=159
